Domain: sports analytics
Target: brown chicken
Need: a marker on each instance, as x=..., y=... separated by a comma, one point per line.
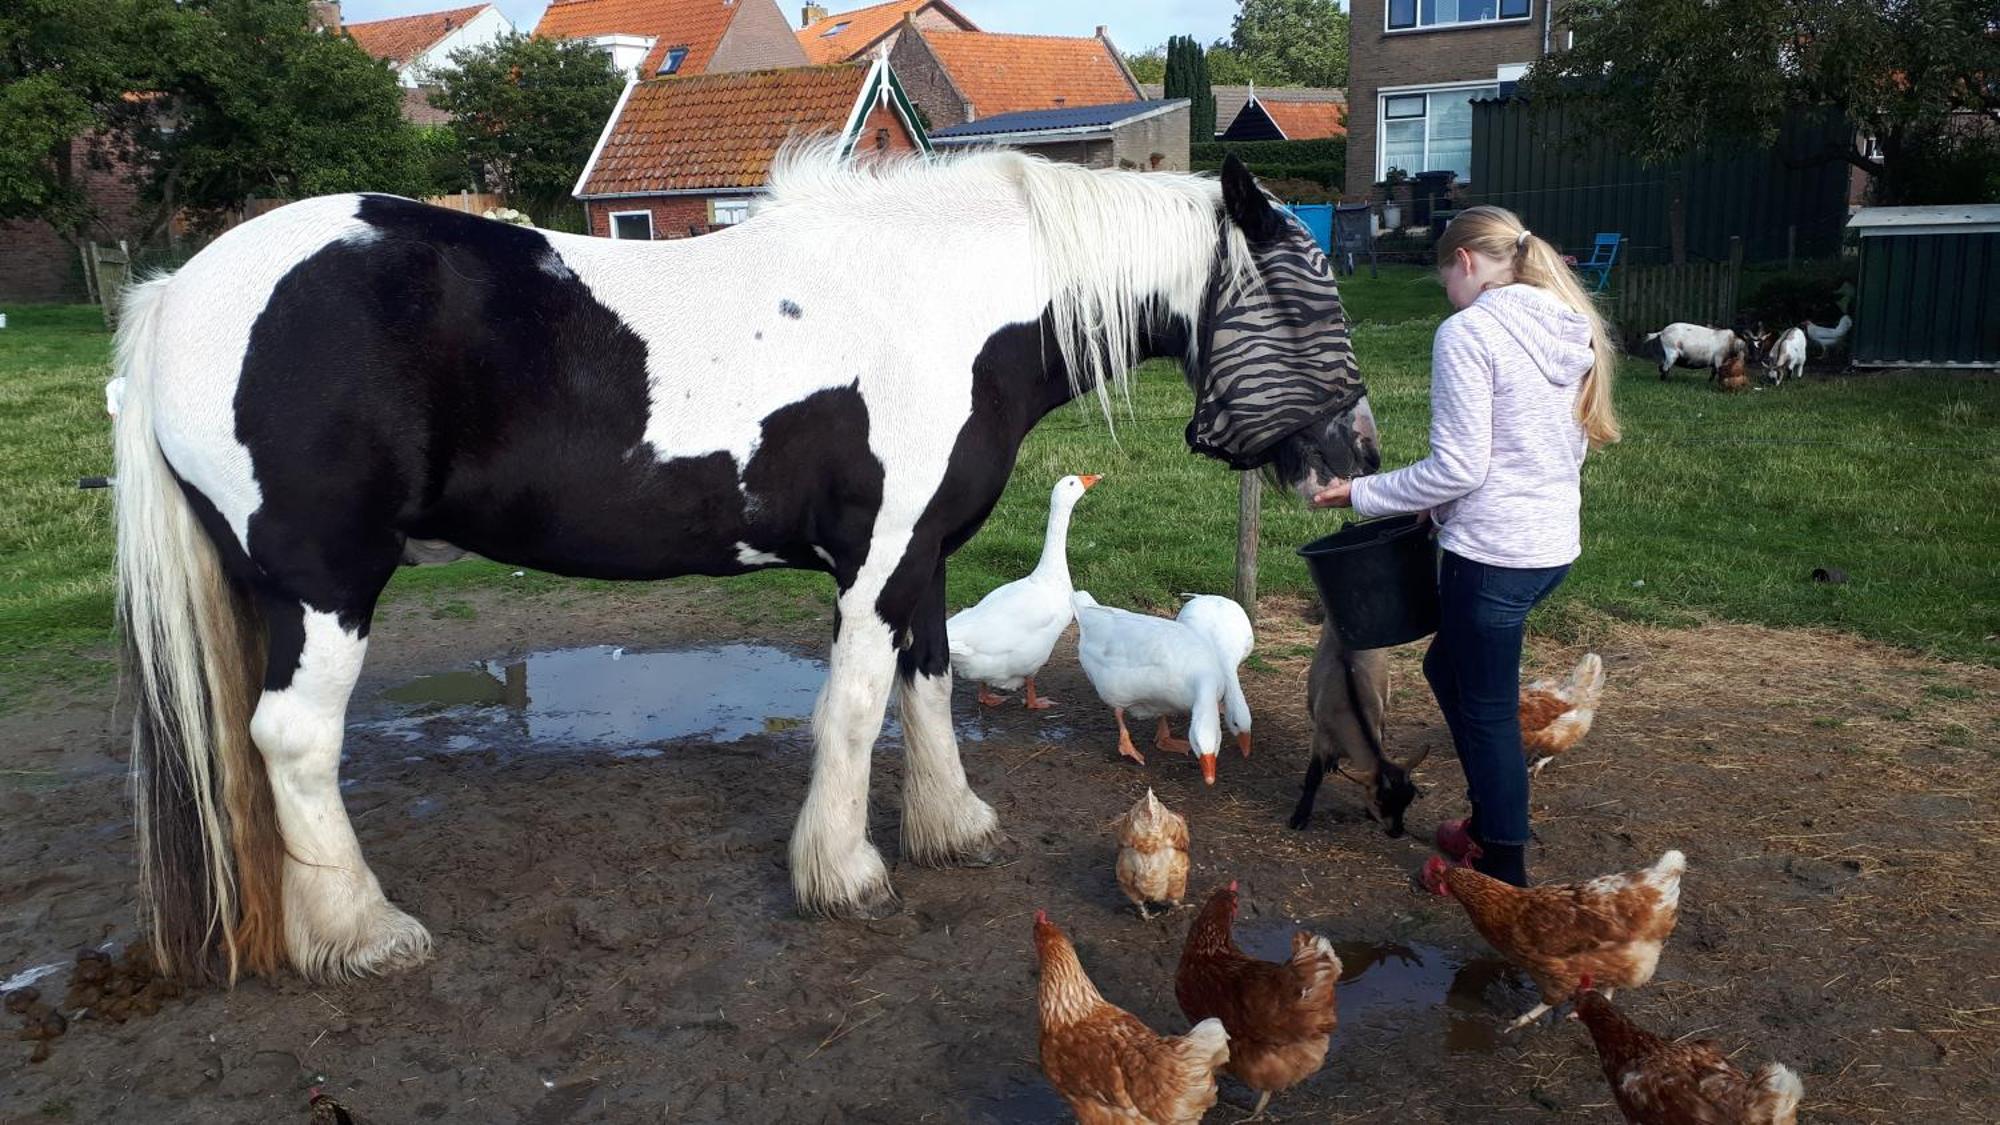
x=1657, y=1082
x=1108, y=1065
x=1610, y=929
x=1556, y=714
x=1279, y=1015
x=1729, y=375
x=1152, y=854
x=323, y=1110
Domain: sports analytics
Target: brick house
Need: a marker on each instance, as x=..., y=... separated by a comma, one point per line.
x=1148, y=136
x=840, y=36
x=961, y=76
x=39, y=264
x=656, y=38
x=417, y=46
x=683, y=156
x=1305, y=125
x=1414, y=68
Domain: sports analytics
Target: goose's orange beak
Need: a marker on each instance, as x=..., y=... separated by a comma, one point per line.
x=1243, y=742
x=1090, y=480
x=1207, y=767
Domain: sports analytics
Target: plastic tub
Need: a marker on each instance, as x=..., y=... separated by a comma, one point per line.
x=1378, y=581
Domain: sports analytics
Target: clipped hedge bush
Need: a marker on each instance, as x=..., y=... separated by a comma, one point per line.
x=1323, y=162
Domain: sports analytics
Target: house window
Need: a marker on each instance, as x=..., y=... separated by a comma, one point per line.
x=729, y=212
x=836, y=29
x=671, y=62
x=1409, y=15
x=1428, y=130
x=636, y=226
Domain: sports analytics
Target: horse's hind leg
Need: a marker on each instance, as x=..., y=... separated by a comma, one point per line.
x=944, y=821
x=337, y=921
x=835, y=870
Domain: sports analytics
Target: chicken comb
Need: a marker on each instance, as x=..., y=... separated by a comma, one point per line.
x=1583, y=984
x=1232, y=886
x=1042, y=917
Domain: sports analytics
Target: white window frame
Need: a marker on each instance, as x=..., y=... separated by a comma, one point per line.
x=1455, y=25
x=715, y=207
x=612, y=221
x=1382, y=97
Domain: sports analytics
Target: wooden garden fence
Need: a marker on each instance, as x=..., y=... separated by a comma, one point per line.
x=1645, y=299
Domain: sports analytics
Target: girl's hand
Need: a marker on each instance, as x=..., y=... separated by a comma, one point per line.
x=1339, y=494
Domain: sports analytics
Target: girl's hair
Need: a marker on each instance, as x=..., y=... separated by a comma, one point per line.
x=1497, y=233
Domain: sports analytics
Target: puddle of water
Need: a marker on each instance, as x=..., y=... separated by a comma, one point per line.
x=1464, y=1003
x=607, y=696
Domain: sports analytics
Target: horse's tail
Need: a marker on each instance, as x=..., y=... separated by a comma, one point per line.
x=210, y=853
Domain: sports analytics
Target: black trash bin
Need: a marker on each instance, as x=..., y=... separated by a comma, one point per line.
x=1378, y=580
x=1430, y=191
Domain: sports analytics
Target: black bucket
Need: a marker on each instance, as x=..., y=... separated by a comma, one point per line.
x=1378, y=581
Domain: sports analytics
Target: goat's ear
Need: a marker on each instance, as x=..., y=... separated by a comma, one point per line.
x=1249, y=208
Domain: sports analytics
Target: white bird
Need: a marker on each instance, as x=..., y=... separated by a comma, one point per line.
x=1152, y=666
x=1825, y=338
x=1228, y=628
x=1006, y=638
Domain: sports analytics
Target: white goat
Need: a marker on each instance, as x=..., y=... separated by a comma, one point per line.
x=1788, y=357
x=1695, y=345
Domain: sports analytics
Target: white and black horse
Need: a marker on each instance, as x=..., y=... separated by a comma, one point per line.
x=840, y=384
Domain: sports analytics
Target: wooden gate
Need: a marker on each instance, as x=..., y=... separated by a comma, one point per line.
x=1646, y=299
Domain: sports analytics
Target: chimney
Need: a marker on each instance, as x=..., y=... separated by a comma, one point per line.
x=324, y=16
x=811, y=14
x=1102, y=31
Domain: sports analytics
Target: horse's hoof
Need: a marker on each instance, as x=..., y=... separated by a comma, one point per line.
x=996, y=849
x=876, y=903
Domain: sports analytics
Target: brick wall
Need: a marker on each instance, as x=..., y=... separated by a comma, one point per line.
x=1135, y=144
x=926, y=83
x=37, y=264
x=672, y=214
x=883, y=132
x=1377, y=58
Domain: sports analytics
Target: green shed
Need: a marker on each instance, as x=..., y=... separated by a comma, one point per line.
x=1929, y=294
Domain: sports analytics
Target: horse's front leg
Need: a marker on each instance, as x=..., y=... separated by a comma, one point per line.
x=944, y=821
x=835, y=870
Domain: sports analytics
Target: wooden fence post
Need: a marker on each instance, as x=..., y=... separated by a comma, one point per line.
x=1249, y=518
x=1733, y=283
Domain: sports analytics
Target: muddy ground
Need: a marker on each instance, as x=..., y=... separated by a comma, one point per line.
x=598, y=847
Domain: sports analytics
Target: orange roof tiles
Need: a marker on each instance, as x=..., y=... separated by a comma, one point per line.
x=697, y=25
x=1307, y=121
x=1008, y=73
x=404, y=38
x=719, y=130
x=844, y=35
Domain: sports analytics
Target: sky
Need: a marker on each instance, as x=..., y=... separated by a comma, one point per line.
x=1135, y=24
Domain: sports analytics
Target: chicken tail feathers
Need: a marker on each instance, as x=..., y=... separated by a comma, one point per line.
x=1209, y=1042
x=1586, y=681
x=1779, y=1093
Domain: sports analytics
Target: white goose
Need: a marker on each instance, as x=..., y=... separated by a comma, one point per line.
x=1006, y=638
x=1153, y=666
x=1228, y=628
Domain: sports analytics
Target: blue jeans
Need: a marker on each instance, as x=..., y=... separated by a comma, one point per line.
x=1474, y=668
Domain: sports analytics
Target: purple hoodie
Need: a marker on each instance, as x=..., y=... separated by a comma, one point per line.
x=1506, y=448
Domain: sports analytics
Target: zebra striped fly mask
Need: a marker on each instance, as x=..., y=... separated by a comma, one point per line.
x=1276, y=356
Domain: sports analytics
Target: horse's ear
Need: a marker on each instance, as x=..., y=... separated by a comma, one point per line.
x=1248, y=206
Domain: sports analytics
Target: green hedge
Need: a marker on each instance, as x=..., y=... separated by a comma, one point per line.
x=1323, y=162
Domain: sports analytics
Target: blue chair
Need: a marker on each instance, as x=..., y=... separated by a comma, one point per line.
x=1603, y=255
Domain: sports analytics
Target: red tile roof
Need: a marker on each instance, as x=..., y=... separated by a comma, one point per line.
x=1307, y=121
x=1008, y=73
x=697, y=25
x=845, y=35
x=719, y=130
x=404, y=38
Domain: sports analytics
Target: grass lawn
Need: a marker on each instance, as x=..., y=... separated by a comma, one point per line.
x=1713, y=506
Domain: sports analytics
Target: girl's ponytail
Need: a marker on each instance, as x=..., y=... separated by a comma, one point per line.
x=1497, y=233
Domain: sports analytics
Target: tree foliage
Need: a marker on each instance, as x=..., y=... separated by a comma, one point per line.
x=208, y=103
x=1667, y=78
x=1291, y=42
x=1149, y=66
x=529, y=111
x=1187, y=77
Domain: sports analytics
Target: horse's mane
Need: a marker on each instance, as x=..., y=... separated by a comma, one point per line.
x=1105, y=241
